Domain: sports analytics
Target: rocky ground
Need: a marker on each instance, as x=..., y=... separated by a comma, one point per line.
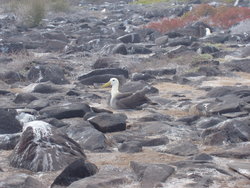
x=56, y=128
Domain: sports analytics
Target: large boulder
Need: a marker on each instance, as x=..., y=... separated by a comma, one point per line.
x=77, y=170
x=88, y=137
x=106, y=122
x=68, y=110
x=108, y=176
x=44, y=73
x=21, y=181
x=9, y=141
x=105, y=62
x=42, y=148
x=239, y=65
x=24, y=98
x=151, y=174
x=229, y=131
x=9, y=124
x=11, y=77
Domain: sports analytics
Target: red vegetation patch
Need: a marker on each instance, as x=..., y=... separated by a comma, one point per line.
x=223, y=17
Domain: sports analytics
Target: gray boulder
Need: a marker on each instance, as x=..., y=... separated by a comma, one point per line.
x=78, y=169
x=106, y=122
x=44, y=73
x=68, y=110
x=229, y=131
x=87, y=137
x=9, y=141
x=11, y=77
x=108, y=176
x=42, y=148
x=9, y=124
x=21, y=181
x=24, y=98
x=151, y=174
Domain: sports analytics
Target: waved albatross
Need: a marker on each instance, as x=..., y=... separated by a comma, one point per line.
x=126, y=100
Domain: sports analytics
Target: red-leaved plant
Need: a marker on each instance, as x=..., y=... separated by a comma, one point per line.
x=222, y=17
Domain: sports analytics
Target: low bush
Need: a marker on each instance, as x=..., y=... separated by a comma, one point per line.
x=30, y=13
x=222, y=17
x=225, y=17
x=59, y=5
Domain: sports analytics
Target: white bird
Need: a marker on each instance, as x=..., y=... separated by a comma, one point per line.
x=126, y=100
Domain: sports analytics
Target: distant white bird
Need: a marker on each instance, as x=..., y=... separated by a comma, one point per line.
x=208, y=31
x=236, y=3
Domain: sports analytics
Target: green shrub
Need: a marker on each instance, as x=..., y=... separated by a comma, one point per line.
x=29, y=12
x=36, y=12
x=59, y=5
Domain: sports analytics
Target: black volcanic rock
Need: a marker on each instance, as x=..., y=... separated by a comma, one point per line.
x=106, y=122
x=9, y=141
x=185, y=41
x=239, y=65
x=100, y=79
x=44, y=88
x=24, y=98
x=44, y=73
x=21, y=181
x=76, y=170
x=151, y=174
x=105, y=62
x=9, y=124
x=42, y=148
x=11, y=77
x=229, y=131
x=120, y=49
x=38, y=104
x=87, y=137
x=108, y=176
x=68, y=110
x=160, y=72
x=105, y=71
x=130, y=38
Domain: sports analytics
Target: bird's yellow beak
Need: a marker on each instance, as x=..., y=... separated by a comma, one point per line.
x=106, y=84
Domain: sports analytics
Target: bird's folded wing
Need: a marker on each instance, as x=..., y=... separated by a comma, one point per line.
x=123, y=95
x=131, y=101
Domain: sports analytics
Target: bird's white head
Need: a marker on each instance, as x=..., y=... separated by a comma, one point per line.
x=114, y=82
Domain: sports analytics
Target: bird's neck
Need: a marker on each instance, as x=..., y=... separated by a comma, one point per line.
x=114, y=90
